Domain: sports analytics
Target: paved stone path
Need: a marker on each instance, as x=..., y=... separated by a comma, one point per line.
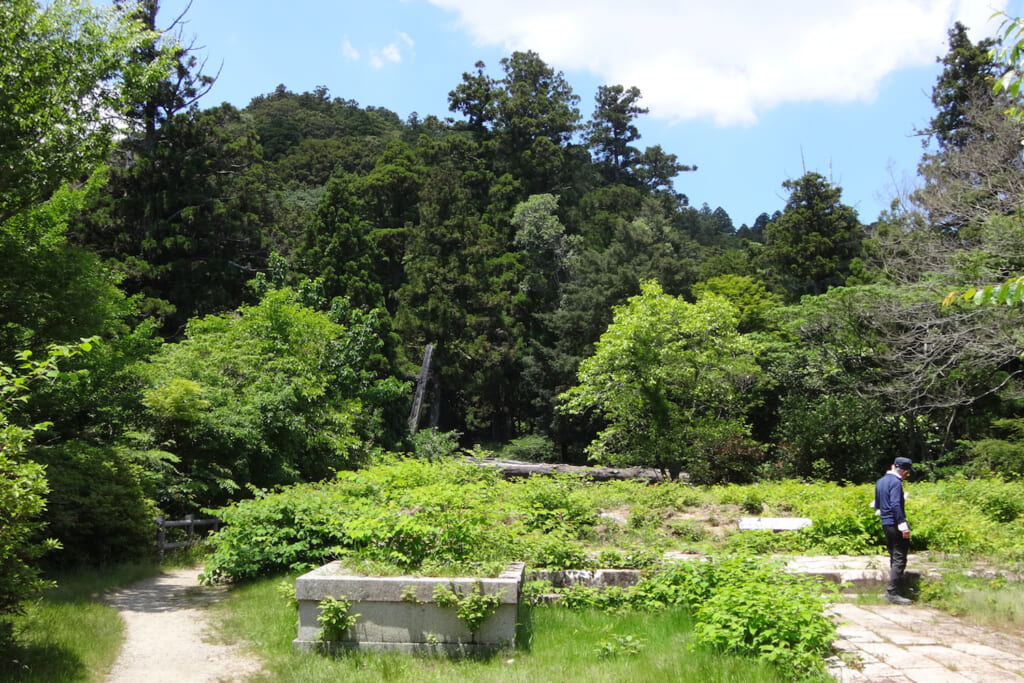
x=909, y=644
x=915, y=644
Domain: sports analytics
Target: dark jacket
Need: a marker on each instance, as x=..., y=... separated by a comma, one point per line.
x=889, y=499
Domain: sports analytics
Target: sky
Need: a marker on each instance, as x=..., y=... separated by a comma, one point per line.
x=752, y=92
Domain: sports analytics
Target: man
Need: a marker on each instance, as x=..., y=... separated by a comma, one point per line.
x=889, y=504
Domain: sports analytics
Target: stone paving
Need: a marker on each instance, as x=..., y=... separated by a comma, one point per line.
x=900, y=644
x=908, y=644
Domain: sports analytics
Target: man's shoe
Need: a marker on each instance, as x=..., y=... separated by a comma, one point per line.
x=894, y=599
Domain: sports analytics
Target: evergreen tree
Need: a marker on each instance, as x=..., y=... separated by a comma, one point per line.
x=969, y=70
x=810, y=247
x=612, y=131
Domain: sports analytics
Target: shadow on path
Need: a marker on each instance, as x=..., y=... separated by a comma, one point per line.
x=167, y=636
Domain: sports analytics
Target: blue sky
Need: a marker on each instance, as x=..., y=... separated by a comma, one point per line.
x=753, y=92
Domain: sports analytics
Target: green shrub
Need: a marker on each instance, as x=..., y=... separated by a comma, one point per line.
x=22, y=498
x=431, y=444
x=741, y=605
x=98, y=507
x=472, y=607
x=530, y=448
x=620, y=646
x=687, y=530
x=644, y=518
x=402, y=513
x=752, y=503
x=950, y=526
x=768, y=617
x=555, y=550
x=1004, y=456
x=23, y=486
x=634, y=557
x=561, y=502
x=335, y=618
x=580, y=596
x=267, y=395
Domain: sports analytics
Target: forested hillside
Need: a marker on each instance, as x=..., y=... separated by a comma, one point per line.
x=258, y=286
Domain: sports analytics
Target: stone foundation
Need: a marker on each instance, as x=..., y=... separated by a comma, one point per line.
x=398, y=613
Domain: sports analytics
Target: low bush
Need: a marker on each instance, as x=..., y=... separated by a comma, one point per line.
x=561, y=501
x=530, y=448
x=402, y=513
x=414, y=515
x=741, y=605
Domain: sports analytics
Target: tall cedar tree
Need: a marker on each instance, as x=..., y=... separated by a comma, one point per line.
x=811, y=246
x=181, y=216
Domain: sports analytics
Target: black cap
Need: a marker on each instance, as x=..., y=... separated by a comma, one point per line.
x=904, y=463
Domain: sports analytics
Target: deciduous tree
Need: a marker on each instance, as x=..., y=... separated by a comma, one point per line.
x=673, y=381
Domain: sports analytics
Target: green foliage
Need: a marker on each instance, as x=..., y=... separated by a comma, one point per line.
x=473, y=607
x=22, y=499
x=999, y=456
x=557, y=502
x=771, y=617
x=410, y=514
x=431, y=444
x=65, y=66
x=335, y=617
x=275, y=394
x=99, y=506
x=748, y=295
x=836, y=437
x=620, y=646
x=50, y=290
x=530, y=448
x=811, y=246
x=673, y=381
x=552, y=550
x=184, y=222
x=23, y=486
x=741, y=605
x=970, y=78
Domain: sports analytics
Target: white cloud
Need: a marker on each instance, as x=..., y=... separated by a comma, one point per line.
x=391, y=53
x=349, y=51
x=728, y=61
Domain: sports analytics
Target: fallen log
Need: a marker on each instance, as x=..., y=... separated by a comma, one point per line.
x=515, y=469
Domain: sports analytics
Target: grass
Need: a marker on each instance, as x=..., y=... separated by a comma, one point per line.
x=559, y=645
x=991, y=603
x=68, y=635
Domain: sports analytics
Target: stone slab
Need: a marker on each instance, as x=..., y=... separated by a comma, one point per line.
x=597, y=578
x=973, y=667
x=774, y=523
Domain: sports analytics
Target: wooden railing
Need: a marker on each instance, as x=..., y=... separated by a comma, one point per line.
x=189, y=523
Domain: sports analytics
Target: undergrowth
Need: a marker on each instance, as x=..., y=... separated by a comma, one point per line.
x=448, y=517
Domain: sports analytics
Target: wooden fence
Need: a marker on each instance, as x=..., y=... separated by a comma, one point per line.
x=190, y=524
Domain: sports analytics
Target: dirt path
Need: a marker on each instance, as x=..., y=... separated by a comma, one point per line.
x=167, y=636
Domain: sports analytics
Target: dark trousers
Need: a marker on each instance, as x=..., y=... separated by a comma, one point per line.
x=898, y=549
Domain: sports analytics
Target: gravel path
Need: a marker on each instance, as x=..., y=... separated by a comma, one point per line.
x=167, y=637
